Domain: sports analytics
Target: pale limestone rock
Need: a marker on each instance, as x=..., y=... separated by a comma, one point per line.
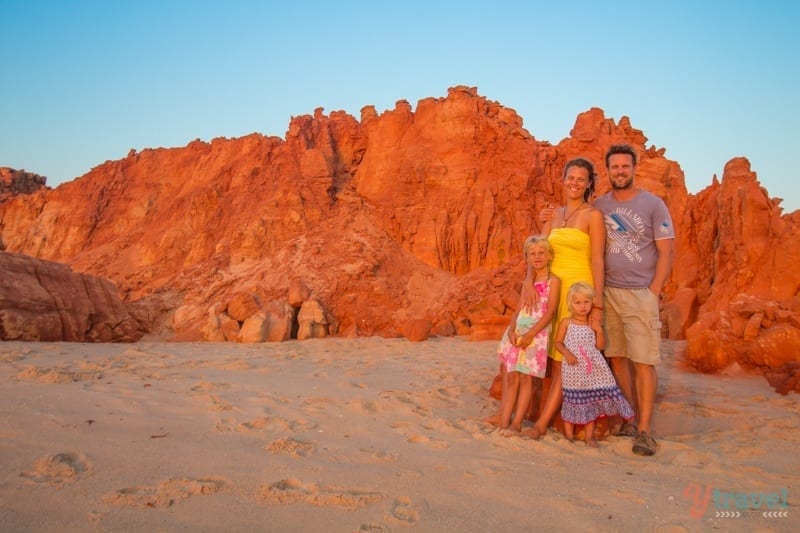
x=311, y=321
x=280, y=320
x=254, y=329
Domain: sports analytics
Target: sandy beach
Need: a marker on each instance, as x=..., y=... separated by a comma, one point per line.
x=366, y=434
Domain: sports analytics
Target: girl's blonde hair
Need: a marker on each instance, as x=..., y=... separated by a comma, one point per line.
x=534, y=240
x=579, y=287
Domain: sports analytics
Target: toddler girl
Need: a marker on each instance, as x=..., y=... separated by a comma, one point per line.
x=590, y=390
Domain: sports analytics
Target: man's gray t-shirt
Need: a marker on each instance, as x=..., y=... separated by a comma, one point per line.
x=632, y=228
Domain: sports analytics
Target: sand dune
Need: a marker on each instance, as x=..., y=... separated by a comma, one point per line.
x=365, y=434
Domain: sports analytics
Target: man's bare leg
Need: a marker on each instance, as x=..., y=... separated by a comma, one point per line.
x=646, y=385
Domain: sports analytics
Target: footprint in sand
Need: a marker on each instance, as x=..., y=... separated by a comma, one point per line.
x=373, y=528
x=628, y=495
x=289, y=491
x=167, y=493
x=217, y=403
x=486, y=468
x=13, y=357
x=364, y=406
x=58, y=375
x=59, y=469
x=205, y=386
x=405, y=429
x=205, y=390
x=697, y=408
x=290, y=447
x=453, y=427
x=220, y=404
x=469, y=426
x=234, y=364
x=404, y=512
x=433, y=443
x=273, y=424
x=317, y=404
x=381, y=456
x=670, y=452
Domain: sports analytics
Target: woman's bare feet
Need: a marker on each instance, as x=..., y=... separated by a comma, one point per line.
x=494, y=420
x=534, y=433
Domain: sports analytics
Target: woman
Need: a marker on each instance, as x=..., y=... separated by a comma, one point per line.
x=577, y=234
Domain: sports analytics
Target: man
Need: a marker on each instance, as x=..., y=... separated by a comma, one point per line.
x=638, y=261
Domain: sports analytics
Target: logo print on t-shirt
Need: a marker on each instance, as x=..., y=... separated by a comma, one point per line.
x=624, y=230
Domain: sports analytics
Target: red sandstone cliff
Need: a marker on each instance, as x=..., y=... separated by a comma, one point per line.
x=736, y=272
x=16, y=182
x=403, y=223
x=46, y=301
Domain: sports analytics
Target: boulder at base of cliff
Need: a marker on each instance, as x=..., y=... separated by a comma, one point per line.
x=47, y=301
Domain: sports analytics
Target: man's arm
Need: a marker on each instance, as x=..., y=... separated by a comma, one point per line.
x=663, y=266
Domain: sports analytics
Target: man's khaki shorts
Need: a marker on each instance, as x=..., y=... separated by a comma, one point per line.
x=632, y=325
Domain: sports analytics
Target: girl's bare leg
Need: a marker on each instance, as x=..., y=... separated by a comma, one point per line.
x=551, y=404
x=569, y=431
x=523, y=399
x=496, y=418
x=589, y=428
x=509, y=398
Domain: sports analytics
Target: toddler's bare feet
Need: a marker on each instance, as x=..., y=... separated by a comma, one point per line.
x=591, y=443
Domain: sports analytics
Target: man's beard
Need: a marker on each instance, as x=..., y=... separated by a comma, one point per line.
x=621, y=187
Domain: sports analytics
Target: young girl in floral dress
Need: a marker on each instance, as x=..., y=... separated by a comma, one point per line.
x=524, y=346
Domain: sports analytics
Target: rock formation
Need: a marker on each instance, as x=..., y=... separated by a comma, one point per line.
x=408, y=222
x=15, y=182
x=737, y=261
x=46, y=301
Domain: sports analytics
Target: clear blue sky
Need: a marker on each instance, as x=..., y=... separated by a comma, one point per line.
x=83, y=82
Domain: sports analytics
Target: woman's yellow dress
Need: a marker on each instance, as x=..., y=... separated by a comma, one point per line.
x=572, y=262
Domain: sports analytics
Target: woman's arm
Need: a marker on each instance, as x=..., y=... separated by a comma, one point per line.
x=549, y=313
x=597, y=242
x=600, y=341
x=512, y=329
x=528, y=297
x=546, y=216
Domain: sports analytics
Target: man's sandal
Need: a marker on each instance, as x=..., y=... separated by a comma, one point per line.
x=644, y=444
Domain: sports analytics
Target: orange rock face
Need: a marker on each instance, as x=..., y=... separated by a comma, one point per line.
x=16, y=182
x=46, y=301
x=738, y=259
x=398, y=222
